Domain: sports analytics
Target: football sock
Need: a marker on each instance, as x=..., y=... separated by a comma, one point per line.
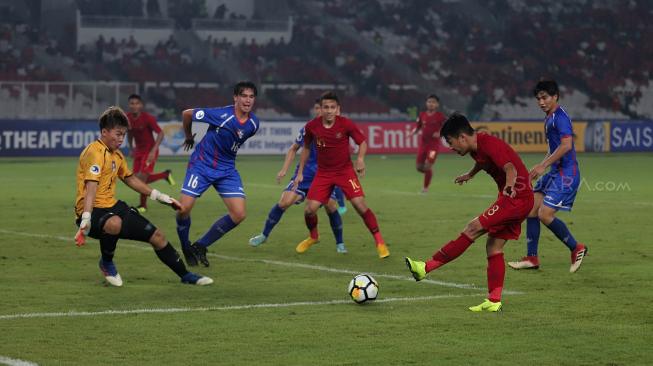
x=370, y=221
x=108, y=246
x=532, y=235
x=157, y=176
x=340, y=197
x=378, y=239
x=562, y=232
x=336, y=225
x=427, y=178
x=311, y=224
x=169, y=256
x=183, y=229
x=143, y=200
x=449, y=252
x=273, y=218
x=222, y=226
x=496, y=272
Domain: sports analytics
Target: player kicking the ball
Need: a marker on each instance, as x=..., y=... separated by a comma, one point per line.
x=101, y=216
x=501, y=221
x=330, y=133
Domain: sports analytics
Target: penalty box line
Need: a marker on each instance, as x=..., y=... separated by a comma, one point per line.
x=76, y=314
x=291, y=264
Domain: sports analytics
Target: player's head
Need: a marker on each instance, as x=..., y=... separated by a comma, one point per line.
x=432, y=102
x=244, y=96
x=113, y=127
x=330, y=106
x=135, y=103
x=547, y=94
x=459, y=133
x=317, y=108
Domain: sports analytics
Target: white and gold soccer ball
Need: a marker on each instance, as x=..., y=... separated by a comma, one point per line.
x=363, y=288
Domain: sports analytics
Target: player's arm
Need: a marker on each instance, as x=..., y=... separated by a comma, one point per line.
x=469, y=175
x=418, y=126
x=186, y=122
x=303, y=158
x=563, y=148
x=141, y=187
x=290, y=157
x=360, y=161
x=511, y=179
x=130, y=141
x=90, y=189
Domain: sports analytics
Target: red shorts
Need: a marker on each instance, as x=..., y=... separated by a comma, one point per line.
x=140, y=162
x=324, y=182
x=504, y=217
x=427, y=154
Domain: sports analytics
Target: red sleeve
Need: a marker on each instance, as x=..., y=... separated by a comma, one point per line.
x=499, y=152
x=354, y=132
x=153, y=125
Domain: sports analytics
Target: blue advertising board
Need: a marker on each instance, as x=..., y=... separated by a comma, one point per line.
x=631, y=136
x=46, y=137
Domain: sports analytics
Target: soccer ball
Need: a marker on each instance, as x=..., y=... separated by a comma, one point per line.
x=363, y=288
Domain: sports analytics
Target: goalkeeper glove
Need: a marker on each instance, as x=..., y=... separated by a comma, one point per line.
x=84, y=228
x=165, y=199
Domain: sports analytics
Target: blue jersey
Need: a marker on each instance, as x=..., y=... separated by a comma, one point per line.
x=223, y=138
x=557, y=126
x=311, y=164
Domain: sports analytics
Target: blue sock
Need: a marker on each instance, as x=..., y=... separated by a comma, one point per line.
x=336, y=225
x=532, y=235
x=183, y=230
x=340, y=197
x=273, y=218
x=217, y=230
x=562, y=232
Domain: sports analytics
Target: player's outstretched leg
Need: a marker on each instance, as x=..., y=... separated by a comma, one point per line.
x=107, y=267
x=274, y=216
x=183, y=230
x=416, y=268
x=169, y=256
x=372, y=225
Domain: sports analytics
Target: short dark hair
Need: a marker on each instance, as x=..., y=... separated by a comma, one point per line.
x=432, y=96
x=317, y=100
x=134, y=96
x=113, y=117
x=456, y=125
x=548, y=86
x=242, y=85
x=330, y=95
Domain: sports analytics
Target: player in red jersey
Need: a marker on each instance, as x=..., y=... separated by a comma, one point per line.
x=330, y=133
x=430, y=122
x=144, y=148
x=501, y=221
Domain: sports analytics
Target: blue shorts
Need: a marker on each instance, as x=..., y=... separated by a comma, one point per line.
x=226, y=182
x=559, y=190
x=303, y=188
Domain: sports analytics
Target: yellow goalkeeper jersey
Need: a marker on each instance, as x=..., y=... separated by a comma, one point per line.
x=98, y=163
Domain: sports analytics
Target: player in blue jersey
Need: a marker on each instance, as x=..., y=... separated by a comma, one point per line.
x=557, y=189
x=292, y=196
x=213, y=163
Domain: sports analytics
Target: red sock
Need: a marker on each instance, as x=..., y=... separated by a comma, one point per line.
x=449, y=252
x=370, y=221
x=158, y=176
x=143, y=200
x=496, y=271
x=311, y=224
x=378, y=239
x=427, y=178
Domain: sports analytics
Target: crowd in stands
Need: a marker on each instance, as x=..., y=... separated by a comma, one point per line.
x=490, y=54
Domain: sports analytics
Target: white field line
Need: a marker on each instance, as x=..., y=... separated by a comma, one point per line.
x=287, y=264
x=74, y=314
x=15, y=362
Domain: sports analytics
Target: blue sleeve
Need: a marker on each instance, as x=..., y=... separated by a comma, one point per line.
x=300, y=137
x=212, y=116
x=563, y=125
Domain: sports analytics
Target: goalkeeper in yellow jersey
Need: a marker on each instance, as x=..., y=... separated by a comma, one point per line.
x=101, y=216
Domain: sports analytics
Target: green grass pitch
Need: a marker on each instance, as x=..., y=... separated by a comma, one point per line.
x=271, y=306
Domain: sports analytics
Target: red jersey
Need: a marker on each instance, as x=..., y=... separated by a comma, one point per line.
x=431, y=125
x=493, y=154
x=141, y=128
x=332, y=143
